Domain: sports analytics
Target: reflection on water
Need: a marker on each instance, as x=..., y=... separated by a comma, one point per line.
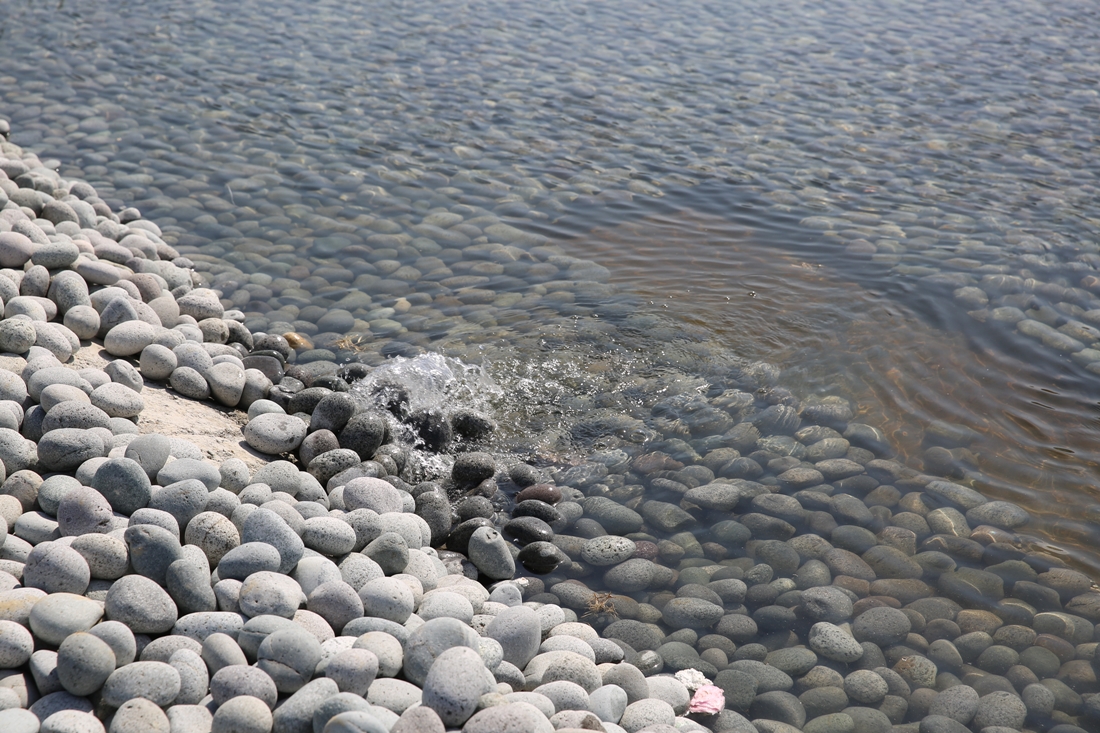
x=1036, y=425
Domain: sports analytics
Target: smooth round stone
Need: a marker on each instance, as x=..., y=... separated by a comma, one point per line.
x=289, y=656
x=328, y=535
x=157, y=361
x=644, y=713
x=216, y=535
x=959, y=703
x=516, y=716
x=189, y=383
x=237, y=680
x=16, y=645
x=129, y=338
x=336, y=602
x=455, y=683
x=387, y=598
x=1001, y=514
x=608, y=703
x=353, y=670
x=833, y=643
x=117, y=400
x=66, y=449
x=390, y=550
x=15, y=249
x=56, y=568
x=55, y=394
x=275, y=434
x=242, y=714
x=607, y=550
x=883, y=626
x=17, y=336
x=200, y=304
x=372, y=493
x=183, y=469
x=518, y=629
x=140, y=716
x=264, y=525
x=343, y=702
x=141, y=604
x=155, y=681
x=695, y=613
x=56, y=616
x=184, y=500
x=84, y=662
x=244, y=560
x=152, y=550
x=73, y=414
x=83, y=510
x=865, y=687
x=443, y=604
x=71, y=721
x=489, y=553
x=631, y=576
x=1001, y=709
x=194, y=676
x=18, y=720
x=268, y=593
x=83, y=320
x=227, y=382
x=386, y=647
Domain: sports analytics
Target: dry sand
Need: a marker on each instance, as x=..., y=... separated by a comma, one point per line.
x=216, y=430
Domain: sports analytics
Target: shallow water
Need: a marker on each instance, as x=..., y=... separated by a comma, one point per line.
x=806, y=187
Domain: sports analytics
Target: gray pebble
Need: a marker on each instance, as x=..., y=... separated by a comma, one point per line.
x=124, y=482
x=56, y=568
x=242, y=714
x=268, y=593
x=387, y=598
x=141, y=604
x=274, y=434
x=128, y=337
x=608, y=702
x=390, y=551
x=489, y=552
x=119, y=637
x=386, y=648
x=289, y=656
x=53, y=617
x=237, y=680
x=264, y=525
x=647, y=712
x=155, y=681
x=118, y=400
x=84, y=662
x=455, y=683
x=244, y=560
x=353, y=670
x=140, y=716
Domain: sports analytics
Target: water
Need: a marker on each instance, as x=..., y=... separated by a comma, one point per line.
x=870, y=196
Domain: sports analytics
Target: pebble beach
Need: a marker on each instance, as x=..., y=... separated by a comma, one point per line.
x=340, y=555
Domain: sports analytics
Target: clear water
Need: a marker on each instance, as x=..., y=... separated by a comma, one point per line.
x=781, y=181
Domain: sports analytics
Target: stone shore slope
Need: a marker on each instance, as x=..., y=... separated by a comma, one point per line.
x=160, y=573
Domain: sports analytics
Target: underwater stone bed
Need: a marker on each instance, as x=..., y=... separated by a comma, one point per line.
x=753, y=562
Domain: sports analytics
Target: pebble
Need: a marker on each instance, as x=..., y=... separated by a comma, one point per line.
x=140, y=716
x=155, y=681
x=242, y=714
x=141, y=604
x=54, y=617
x=353, y=670
x=387, y=598
x=84, y=662
x=273, y=433
x=488, y=551
x=237, y=680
